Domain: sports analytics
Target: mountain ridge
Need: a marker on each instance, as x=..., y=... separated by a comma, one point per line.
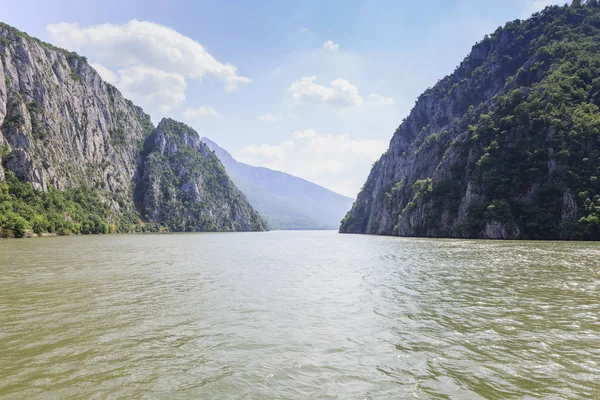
x=284, y=200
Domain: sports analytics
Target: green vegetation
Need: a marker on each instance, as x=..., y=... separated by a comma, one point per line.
x=94, y=167
x=70, y=55
x=82, y=210
x=357, y=219
x=36, y=111
x=23, y=209
x=192, y=185
x=542, y=143
x=528, y=97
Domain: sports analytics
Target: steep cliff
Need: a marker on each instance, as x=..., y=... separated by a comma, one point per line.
x=71, y=152
x=60, y=124
x=185, y=187
x=508, y=146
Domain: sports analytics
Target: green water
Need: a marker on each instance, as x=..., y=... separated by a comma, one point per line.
x=297, y=315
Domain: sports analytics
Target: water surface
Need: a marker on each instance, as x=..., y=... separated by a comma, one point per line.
x=297, y=315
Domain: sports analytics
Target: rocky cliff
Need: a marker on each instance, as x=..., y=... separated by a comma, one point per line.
x=507, y=147
x=185, y=186
x=79, y=143
x=60, y=124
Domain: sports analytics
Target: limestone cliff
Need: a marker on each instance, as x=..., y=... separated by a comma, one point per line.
x=184, y=185
x=508, y=146
x=80, y=144
x=61, y=125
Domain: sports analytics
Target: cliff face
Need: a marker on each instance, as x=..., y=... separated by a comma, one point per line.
x=63, y=129
x=185, y=186
x=505, y=147
x=61, y=125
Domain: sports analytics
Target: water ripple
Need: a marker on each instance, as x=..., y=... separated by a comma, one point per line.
x=298, y=315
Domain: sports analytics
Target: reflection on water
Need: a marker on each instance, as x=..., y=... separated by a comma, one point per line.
x=298, y=315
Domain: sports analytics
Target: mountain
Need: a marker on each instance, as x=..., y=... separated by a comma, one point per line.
x=184, y=185
x=285, y=201
x=79, y=157
x=507, y=147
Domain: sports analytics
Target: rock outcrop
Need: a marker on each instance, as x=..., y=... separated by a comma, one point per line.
x=184, y=185
x=506, y=147
x=61, y=125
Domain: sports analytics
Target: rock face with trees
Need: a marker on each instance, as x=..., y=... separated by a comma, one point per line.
x=506, y=147
x=185, y=186
x=75, y=154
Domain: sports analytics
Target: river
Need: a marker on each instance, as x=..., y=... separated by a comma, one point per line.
x=297, y=315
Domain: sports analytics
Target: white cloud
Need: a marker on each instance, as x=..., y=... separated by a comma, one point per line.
x=340, y=95
x=145, y=43
x=378, y=100
x=147, y=46
x=193, y=113
x=271, y=117
x=337, y=162
x=105, y=73
x=152, y=86
x=275, y=72
x=268, y=117
x=331, y=46
x=532, y=6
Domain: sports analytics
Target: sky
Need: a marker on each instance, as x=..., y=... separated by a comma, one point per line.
x=315, y=88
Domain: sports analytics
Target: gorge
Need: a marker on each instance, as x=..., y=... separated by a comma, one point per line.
x=77, y=157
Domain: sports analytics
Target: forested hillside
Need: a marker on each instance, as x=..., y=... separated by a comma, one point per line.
x=508, y=146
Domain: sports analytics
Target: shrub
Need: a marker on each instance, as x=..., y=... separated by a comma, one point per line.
x=65, y=232
x=18, y=225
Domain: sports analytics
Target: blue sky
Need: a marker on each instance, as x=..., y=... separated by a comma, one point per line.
x=313, y=88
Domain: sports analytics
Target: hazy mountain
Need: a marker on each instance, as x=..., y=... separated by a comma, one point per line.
x=283, y=200
x=505, y=147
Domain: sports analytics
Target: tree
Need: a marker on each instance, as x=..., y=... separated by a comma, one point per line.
x=18, y=225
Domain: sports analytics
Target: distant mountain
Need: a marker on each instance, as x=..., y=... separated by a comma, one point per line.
x=283, y=200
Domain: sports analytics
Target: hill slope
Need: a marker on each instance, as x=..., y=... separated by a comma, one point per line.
x=508, y=146
x=71, y=148
x=185, y=186
x=285, y=201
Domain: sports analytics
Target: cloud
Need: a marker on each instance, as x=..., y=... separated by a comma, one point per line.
x=105, y=73
x=193, y=113
x=337, y=162
x=268, y=117
x=533, y=6
x=275, y=72
x=271, y=117
x=340, y=95
x=378, y=100
x=145, y=46
x=331, y=47
x=155, y=87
